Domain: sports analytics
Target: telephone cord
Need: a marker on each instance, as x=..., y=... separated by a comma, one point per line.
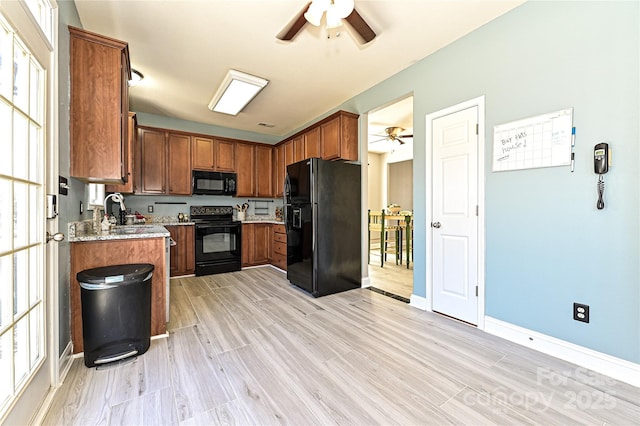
x=600, y=204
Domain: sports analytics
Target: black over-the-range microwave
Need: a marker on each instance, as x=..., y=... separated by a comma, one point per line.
x=213, y=183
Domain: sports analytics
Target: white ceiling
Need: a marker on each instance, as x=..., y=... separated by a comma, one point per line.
x=184, y=48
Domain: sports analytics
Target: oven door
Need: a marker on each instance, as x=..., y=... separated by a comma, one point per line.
x=218, y=248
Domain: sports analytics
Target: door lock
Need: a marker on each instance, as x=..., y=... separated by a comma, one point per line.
x=435, y=224
x=57, y=237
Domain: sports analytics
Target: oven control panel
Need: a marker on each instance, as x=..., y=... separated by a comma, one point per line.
x=200, y=211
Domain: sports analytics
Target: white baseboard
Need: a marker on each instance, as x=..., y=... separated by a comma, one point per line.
x=418, y=302
x=366, y=282
x=619, y=369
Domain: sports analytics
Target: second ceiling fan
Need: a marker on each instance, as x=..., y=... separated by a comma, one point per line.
x=393, y=134
x=335, y=11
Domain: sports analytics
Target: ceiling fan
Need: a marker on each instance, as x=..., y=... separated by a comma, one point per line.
x=393, y=134
x=335, y=11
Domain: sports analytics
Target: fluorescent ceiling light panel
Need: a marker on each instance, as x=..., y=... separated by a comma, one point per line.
x=235, y=92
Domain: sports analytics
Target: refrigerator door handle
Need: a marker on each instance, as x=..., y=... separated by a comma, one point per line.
x=287, y=189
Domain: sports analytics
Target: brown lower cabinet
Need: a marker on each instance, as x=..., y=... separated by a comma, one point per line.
x=279, y=249
x=256, y=244
x=95, y=254
x=182, y=257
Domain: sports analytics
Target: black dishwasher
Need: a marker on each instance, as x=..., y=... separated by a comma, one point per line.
x=116, y=312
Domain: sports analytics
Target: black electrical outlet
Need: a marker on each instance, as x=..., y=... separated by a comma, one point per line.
x=581, y=312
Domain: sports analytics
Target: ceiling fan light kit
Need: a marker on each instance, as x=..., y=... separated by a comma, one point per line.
x=235, y=92
x=336, y=11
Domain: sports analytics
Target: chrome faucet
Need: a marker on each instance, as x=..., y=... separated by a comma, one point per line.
x=117, y=198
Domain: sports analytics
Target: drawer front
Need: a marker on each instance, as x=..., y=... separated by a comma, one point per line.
x=279, y=229
x=280, y=238
x=280, y=263
x=280, y=248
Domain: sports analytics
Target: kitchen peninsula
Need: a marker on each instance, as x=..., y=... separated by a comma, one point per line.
x=122, y=245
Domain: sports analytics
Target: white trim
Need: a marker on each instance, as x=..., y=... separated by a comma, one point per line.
x=66, y=361
x=366, y=282
x=419, y=302
x=475, y=102
x=619, y=369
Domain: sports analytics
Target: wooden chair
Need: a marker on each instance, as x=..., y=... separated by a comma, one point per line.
x=388, y=236
x=406, y=230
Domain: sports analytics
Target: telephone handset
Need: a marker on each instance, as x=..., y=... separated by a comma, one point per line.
x=601, y=160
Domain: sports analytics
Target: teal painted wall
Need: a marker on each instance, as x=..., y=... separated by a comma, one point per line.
x=154, y=120
x=547, y=245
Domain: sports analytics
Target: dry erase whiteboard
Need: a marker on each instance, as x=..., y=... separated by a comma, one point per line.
x=540, y=141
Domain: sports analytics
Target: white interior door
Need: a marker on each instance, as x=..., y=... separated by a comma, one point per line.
x=454, y=224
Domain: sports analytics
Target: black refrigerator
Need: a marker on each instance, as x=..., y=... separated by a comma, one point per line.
x=322, y=217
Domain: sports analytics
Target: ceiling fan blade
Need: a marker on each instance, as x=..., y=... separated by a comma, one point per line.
x=378, y=140
x=295, y=27
x=404, y=136
x=360, y=26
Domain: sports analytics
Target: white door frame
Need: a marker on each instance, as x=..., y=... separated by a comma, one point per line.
x=479, y=102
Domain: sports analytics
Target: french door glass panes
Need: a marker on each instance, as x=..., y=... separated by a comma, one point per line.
x=22, y=347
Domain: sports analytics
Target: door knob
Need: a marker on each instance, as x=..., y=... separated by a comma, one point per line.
x=435, y=225
x=57, y=237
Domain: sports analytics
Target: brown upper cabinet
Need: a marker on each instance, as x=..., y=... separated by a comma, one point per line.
x=128, y=188
x=280, y=169
x=312, y=143
x=264, y=171
x=165, y=166
x=298, y=149
x=213, y=154
x=254, y=169
x=245, y=170
x=334, y=138
x=339, y=137
x=99, y=107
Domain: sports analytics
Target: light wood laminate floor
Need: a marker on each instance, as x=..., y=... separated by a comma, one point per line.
x=247, y=348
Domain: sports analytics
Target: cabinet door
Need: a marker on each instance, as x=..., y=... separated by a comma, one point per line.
x=174, y=253
x=264, y=171
x=288, y=153
x=330, y=139
x=179, y=164
x=247, y=244
x=182, y=255
x=245, y=166
x=202, y=153
x=152, y=162
x=224, y=155
x=348, y=137
x=99, y=96
x=312, y=143
x=261, y=243
x=132, y=129
x=298, y=149
x=280, y=169
x=189, y=247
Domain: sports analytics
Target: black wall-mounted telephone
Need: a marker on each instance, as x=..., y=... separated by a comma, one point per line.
x=601, y=166
x=601, y=158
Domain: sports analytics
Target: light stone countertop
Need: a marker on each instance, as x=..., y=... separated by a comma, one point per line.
x=123, y=233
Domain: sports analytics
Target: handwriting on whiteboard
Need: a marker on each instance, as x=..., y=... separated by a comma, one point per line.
x=540, y=141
